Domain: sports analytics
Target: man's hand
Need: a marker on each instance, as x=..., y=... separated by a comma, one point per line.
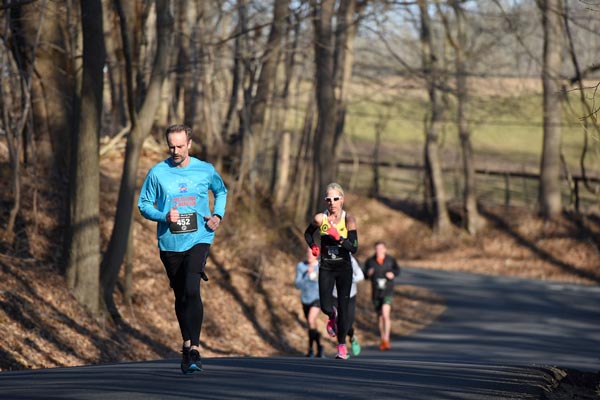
x=172, y=215
x=333, y=232
x=390, y=275
x=212, y=222
x=316, y=250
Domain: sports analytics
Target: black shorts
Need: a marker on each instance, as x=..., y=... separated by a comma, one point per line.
x=178, y=263
x=306, y=307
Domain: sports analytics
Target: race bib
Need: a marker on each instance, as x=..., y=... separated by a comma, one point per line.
x=332, y=252
x=185, y=224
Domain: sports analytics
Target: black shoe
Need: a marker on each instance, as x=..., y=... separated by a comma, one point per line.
x=310, y=353
x=320, y=353
x=185, y=359
x=195, y=362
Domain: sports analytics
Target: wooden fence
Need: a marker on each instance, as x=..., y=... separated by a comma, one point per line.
x=575, y=191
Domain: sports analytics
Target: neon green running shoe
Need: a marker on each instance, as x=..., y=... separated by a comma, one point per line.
x=355, y=347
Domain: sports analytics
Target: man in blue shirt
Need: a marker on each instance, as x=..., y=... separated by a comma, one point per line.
x=175, y=195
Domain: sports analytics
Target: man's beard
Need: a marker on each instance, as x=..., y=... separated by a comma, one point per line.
x=178, y=160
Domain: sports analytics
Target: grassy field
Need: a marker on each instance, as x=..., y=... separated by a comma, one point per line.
x=505, y=117
x=505, y=123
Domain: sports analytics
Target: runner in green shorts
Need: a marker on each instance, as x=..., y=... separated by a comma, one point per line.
x=382, y=269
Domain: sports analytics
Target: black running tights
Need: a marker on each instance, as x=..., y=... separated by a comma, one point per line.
x=183, y=269
x=341, y=277
x=351, y=316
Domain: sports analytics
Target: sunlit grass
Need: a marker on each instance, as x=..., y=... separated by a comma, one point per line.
x=509, y=127
x=506, y=133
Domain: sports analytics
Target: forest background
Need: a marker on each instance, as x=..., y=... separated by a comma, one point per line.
x=464, y=131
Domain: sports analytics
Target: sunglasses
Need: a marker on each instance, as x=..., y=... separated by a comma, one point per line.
x=332, y=199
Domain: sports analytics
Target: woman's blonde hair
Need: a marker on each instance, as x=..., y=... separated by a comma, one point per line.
x=335, y=186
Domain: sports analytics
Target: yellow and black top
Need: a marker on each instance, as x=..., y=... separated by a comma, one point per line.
x=340, y=226
x=332, y=250
x=334, y=253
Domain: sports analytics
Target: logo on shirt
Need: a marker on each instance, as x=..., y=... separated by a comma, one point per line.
x=183, y=187
x=184, y=201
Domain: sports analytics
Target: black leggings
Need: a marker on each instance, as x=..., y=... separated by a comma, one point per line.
x=183, y=269
x=341, y=277
x=351, y=316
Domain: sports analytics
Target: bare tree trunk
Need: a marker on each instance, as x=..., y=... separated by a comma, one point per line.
x=283, y=169
x=258, y=103
x=83, y=267
x=129, y=257
x=325, y=160
x=13, y=139
x=236, y=81
x=347, y=16
x=589, y=120
x=304, y=167
x=117, y=109
x=15, y=108
x=14, y=147
x=549, y=197
x=375, y=191
x=474, y=221
x=210, y=115
x=188, y=61
x=246, y=140
x=9, y=106
x=141, y=124
x=333, y=48
x=433, y=166
x=266, y=101
x=53, y=84
x=282, y=161
x=194, y=83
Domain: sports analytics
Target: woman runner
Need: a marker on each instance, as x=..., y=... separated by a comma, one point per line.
x=339, y=239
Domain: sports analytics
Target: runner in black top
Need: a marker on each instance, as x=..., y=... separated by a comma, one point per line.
x=339, y=239
x=382, y=269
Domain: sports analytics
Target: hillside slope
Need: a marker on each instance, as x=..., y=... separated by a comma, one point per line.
x=251, y=305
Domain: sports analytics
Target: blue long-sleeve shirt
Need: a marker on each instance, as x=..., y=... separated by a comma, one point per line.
x=185, y=188
x=309, y=289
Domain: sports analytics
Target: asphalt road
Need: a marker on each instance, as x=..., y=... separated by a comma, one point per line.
x=509, y=321
x=497, y=340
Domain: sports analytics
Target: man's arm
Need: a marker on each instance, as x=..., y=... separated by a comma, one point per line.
x=219, y=190
x=147, y=199
x=395, y=267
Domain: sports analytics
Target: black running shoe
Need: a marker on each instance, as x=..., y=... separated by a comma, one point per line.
x=185, y=359
x=195, y=362
x=320, y=353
